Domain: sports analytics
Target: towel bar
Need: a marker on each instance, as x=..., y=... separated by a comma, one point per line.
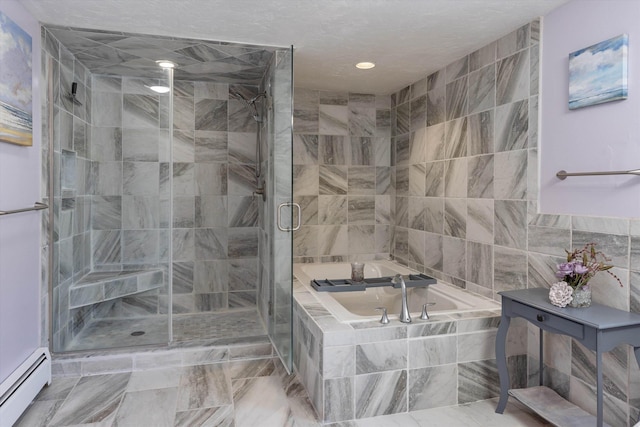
x=38, y=206
x=564, y=174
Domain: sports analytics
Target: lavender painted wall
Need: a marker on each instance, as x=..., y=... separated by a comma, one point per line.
x=597, y=138
x=20, y=233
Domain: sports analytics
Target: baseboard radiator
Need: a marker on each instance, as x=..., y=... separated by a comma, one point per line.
x=22, y=386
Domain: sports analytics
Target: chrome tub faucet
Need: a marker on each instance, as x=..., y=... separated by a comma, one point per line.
x=404, y=313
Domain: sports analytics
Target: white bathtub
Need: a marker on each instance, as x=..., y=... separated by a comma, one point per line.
x=361, y=305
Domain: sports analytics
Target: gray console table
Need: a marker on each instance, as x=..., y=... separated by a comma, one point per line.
x=599, y=328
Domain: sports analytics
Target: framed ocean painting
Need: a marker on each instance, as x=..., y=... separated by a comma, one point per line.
x=15, y=84
x=598, y=73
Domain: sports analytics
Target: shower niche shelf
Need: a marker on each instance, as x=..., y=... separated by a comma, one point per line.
x=102, y=286
x=68, y=177
x=348, y=285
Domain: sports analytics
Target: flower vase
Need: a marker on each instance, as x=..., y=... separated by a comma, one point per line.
x=581, y=297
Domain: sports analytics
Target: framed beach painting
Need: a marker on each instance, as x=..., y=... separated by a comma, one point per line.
x=15, y=84
x=598, y=73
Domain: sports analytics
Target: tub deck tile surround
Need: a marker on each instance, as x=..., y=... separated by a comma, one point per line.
x=381, y=393
x=381, y=356
x=440, y=326
x=351, y=360
x=369, y=332
x=432, y=351
x=339, y=361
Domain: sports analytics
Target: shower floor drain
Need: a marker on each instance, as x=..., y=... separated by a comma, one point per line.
x=137, y=333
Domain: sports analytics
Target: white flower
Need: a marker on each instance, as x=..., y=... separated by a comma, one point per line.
x=560, y=294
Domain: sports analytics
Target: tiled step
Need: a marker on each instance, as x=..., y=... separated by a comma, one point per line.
x=102, y=286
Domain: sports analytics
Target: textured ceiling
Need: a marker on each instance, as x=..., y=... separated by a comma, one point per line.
x=135, y=55
x=406, y=38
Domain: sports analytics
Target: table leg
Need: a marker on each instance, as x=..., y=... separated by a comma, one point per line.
x=599, y=387
x=541, y=359
x=501, y=362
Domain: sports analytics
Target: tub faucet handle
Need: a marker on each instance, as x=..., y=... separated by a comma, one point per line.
x=385, y=319
x=425, y=315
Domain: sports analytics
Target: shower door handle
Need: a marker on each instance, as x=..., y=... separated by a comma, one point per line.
x=279, y=219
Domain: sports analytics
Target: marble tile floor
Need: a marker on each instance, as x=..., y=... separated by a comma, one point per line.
x=188, y=330
x=250, y=393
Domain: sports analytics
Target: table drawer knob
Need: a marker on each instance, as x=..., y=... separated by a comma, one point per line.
x=540, y=318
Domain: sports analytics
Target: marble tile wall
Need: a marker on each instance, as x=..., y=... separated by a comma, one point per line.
x=365, y=369
x=341, y=175
x=71, y=201
x=462, y=141
x=215, y=215
x=466, y=205
x=130, y=209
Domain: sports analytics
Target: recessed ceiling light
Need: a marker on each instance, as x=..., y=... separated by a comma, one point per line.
x=166, y=64
x=159, y=89
x=365, y=65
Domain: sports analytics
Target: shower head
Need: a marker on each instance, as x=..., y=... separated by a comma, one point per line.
x=258, y=96
x=251, y=104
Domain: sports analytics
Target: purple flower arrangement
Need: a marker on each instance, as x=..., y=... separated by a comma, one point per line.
x=582, y=265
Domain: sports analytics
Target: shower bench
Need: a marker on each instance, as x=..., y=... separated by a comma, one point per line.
x=99, y=286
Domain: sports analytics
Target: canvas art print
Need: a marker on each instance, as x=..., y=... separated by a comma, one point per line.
x=598, y=73
x=15, y=84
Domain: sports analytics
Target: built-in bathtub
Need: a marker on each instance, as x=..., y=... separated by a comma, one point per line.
x=361, y=305
x=354, y=367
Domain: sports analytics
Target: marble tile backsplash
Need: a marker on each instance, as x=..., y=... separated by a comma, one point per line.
x=342, y=175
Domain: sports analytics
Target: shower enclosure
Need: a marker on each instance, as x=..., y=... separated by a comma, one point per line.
x=159, y=233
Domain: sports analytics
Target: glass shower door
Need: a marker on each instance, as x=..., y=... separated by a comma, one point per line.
x=281, y=208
